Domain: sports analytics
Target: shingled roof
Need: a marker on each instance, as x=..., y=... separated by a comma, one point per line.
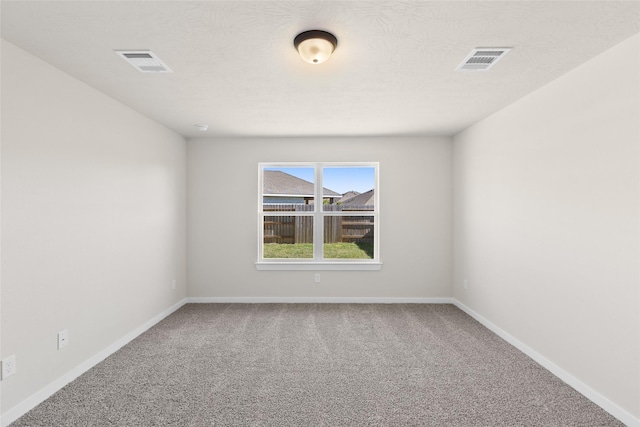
x=364, y=199
x=281, y=184
x=348, y=195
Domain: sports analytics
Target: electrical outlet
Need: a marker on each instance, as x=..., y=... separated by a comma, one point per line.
x=173, y=284
x=8, y=366
x=466, y=284
x=63, y=339
x=317, y=278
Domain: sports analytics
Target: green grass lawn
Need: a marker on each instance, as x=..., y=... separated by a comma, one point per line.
x=331, y=250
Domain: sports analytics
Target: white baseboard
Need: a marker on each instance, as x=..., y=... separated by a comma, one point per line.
x=319, y=300
x=597, y=398
x=34, y=400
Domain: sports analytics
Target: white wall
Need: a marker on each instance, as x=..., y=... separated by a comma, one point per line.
x=546, y=220
x=415, y=211
x=93, y=221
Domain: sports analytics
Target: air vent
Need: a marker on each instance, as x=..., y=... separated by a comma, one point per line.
x=144, y=61
x=482, y=59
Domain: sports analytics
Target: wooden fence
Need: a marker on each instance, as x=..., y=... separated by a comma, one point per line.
x=299, y=229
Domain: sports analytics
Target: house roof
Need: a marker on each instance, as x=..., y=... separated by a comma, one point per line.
x=346, y=196
x=284, y=184
x=364, y=199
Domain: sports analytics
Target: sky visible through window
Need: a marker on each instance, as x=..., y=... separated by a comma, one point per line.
x=338, y=179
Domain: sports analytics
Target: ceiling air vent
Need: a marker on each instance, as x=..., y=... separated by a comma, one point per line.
x=481, y=59
x=144, y=61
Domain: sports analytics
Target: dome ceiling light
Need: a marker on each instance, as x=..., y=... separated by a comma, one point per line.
x=315, y=46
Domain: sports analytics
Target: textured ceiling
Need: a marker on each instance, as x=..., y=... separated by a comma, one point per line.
x=236, y=70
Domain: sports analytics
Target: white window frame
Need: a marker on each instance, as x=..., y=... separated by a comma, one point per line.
x=318, y=262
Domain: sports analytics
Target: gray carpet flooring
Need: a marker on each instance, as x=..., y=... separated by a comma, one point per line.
x=317, y=365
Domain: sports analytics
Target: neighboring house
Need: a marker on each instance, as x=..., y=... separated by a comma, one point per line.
x=346, y=196
x=364, y=199
x=280, y=187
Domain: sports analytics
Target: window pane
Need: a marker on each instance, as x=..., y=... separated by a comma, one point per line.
x=356, y=186
x=288, y=237
x=348, y=237
x=288, y=189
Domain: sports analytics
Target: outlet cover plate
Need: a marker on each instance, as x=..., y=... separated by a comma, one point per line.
x=63, y=339
x=8, y=366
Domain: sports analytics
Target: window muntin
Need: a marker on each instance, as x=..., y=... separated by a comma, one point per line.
x=296, y=229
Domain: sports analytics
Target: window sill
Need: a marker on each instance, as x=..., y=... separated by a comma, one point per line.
x=318, y=266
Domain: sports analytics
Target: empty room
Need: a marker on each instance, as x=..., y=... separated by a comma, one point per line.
x=320, y=213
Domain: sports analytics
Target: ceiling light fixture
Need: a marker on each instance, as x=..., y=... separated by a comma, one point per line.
x=201, y=127
x=315, y=46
